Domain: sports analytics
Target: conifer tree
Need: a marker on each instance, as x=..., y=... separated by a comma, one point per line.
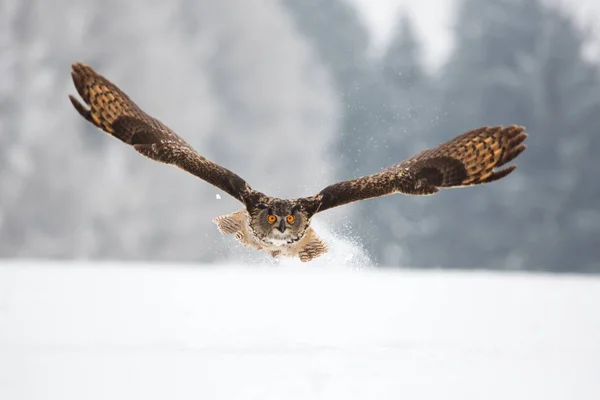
x=521, y=62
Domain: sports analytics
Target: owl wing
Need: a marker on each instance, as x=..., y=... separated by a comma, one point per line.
x=112, y=111
x=472, y=158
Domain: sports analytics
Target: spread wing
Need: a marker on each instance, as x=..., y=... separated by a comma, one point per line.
x=472, y=158
x=112, y=111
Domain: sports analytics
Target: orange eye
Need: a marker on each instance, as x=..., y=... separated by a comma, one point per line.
x=271, y=218
x=290, y=219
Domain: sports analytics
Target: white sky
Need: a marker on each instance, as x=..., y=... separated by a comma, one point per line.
x=434, y=19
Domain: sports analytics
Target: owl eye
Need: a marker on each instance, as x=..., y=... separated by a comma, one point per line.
x=290, y=219
x=271, y=218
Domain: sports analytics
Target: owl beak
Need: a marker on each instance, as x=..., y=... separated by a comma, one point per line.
x=281, y=226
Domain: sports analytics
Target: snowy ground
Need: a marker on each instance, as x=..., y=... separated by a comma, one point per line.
x=81, y=331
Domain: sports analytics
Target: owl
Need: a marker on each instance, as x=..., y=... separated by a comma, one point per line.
x=281, y=227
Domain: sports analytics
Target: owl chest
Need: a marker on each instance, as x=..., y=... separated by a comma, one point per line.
x=278, y=247
x=282, y=244
x=280, y=241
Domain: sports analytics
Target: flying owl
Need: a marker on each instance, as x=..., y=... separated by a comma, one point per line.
x=281, y=227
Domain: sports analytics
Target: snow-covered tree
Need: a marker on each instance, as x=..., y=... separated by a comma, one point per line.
x=521, y=62
x=408, y=116
x=70, y=191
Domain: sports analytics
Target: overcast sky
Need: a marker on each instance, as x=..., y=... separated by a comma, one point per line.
x=434, y=20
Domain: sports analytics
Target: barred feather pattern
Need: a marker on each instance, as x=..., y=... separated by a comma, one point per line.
x=312, y=248
x=472, y=158
x=111, y=110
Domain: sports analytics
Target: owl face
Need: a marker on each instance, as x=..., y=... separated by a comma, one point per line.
x=279, y=223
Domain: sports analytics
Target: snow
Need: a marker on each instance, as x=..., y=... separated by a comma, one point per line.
x=144, y=331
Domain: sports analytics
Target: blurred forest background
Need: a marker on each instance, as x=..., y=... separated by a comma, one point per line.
x=288, y=94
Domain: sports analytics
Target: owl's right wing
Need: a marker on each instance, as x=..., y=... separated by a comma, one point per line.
x=472, y=158
x=115, y=113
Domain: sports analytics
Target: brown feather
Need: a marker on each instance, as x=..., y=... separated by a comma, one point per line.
x=469, y=159
x=311, y=247
x=472, y=158
x=116, y=114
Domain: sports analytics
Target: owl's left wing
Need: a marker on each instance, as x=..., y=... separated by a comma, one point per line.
x=111, y=110
x=472, y=158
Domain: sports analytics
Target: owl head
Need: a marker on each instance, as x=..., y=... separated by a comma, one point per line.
x=279, y=222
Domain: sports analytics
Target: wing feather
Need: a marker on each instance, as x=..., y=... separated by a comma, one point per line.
x=472, y=158
x=111, y=110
